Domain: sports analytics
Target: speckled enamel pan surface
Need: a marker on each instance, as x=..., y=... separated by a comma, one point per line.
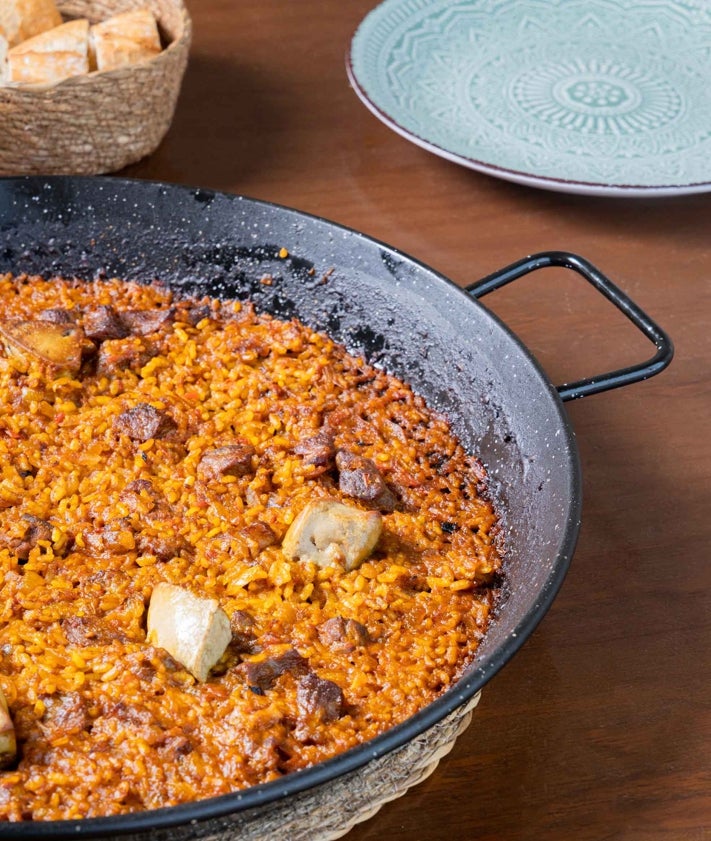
x=599, y=97
x=402, y=316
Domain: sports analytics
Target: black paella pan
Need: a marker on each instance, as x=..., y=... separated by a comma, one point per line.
x=402, y=316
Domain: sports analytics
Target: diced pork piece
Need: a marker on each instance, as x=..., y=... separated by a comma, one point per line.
x=318, y=451
x=144, y=322
x=192, y=314
x=343, y=634
x=328, y=532
x=57, y=315
x=259, y=537
x=243, y=639
x=242, y=622
x=252, y=347
x=140, y=496
x=144, y=422
x=104, y=323
x=163, y=545
x=158, y=533
x=58, y=345
x=231, y=460
x=36, y=530
x=195, y=631
x=319, y=697
x=360, y=478
x=113, y=538
x=115, y=355
x=65, y=714
x=177, y=746
x=264, y=673
x=88, y=630
x=140, y=485
x=8, y=743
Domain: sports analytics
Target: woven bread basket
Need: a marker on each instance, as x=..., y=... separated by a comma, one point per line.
x=101, y=122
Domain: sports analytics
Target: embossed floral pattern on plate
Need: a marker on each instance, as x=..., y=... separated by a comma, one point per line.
x=589, y=96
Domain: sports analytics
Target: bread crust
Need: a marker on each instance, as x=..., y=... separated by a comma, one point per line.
x=124, y=39
x=23, y=19
x=3, y=58
x=52, y=56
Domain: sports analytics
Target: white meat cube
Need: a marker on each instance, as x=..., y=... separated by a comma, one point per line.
x=195, y=631
x=328, y=532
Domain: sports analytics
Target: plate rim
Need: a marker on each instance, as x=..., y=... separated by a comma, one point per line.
x=522, y=177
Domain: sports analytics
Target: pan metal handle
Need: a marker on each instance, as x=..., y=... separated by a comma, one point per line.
x=603, y=382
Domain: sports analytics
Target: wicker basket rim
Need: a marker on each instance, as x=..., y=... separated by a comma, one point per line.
x=90, y=78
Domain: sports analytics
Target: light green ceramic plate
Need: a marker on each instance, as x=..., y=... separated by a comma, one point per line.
x=607, y=97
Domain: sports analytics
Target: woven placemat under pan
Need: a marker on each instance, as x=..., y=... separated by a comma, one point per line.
x=331, y=810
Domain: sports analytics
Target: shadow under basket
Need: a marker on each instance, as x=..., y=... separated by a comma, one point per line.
x=103, y=121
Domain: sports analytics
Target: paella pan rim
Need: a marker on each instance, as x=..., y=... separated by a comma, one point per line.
x=19, y=193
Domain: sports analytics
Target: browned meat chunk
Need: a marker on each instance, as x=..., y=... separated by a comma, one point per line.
x=104, y=323
x=144, y=422
x=88, y=630
x=251, y=348
x=259, y=537
x=104, y=580
x=57, y=315
x=65, y=714
x=360, y=478
x=114, y=538
x=36, y=530
x=178, y=746
x=318, y=451
x=264, y=674
x=241, y=622
x=165, y=547
x=192, y=314
x=140, y=485
x=139, y=496
x=143, y=322
x=343, y=634
x=320, y=697
x=122, y=355
x=159, y=533
x=230, y=460
x=242, y=626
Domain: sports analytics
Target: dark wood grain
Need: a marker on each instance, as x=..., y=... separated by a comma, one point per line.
x=600, y=728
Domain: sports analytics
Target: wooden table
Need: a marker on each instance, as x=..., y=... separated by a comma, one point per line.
x=601, y=727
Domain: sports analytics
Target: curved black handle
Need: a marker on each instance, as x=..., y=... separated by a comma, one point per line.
x=603, y=382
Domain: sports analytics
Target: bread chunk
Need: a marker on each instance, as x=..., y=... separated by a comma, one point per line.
x=23, y=19
x=3, y=58
x=125, y=39
x=52, y=56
